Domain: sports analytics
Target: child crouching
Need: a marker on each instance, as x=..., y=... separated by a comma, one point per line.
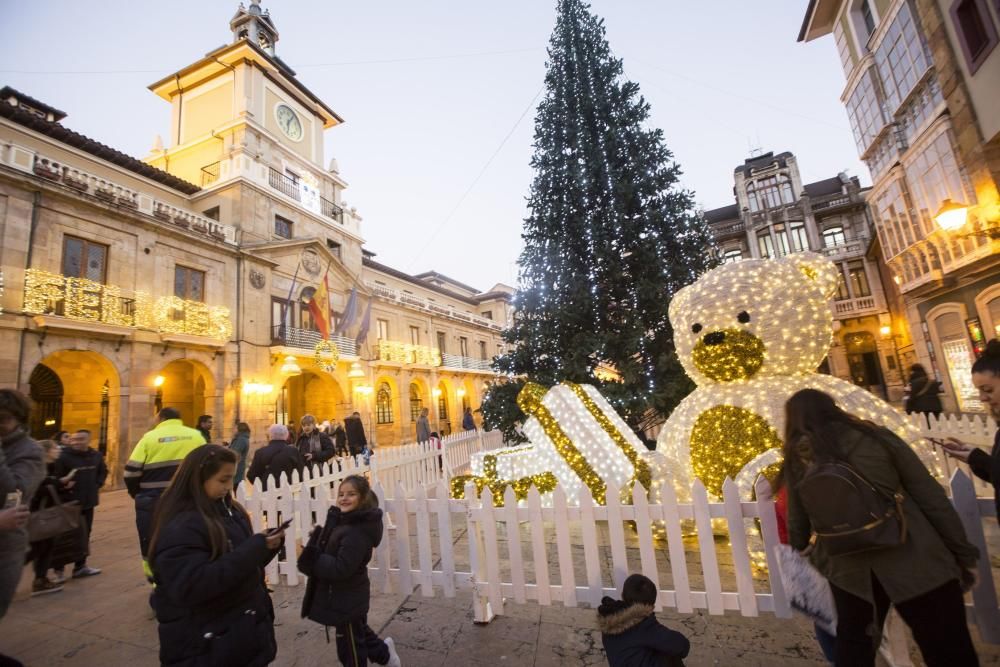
x=336, y=561
x=631, y=635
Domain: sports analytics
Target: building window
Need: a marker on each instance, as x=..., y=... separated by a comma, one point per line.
x=800, y=241
x=934, y=175
x=443, y=403
x=865, y=112
x=383, y=404
x=212, y=213
x=334, y=248
x=189, y=283
x=416, y=403
x=782, y=240
x=487, y=314
x=84, y=259
x=858, y=278
x=282, y=227
x=842, y=293
x=441, y=340
x=843, y=48
x=892, y=215
x=282, y=316
x=765, y=245
x=769, y=192
x=867, y=18
x=975, y=31
x=463, y=346
x=732, y=256
x=833, y=237
x=414, y=335
x=482, y=350
x=383, y=329
x=901, y=58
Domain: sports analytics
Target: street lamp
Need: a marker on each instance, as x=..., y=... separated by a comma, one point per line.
x=291, y=366
x=951, y=215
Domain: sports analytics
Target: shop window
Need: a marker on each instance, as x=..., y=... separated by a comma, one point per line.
x=383, y=404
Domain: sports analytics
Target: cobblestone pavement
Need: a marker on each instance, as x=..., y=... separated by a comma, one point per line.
x=105, y=621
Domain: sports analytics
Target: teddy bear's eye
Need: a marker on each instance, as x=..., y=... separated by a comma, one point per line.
x=743, y=317
x=695, y=328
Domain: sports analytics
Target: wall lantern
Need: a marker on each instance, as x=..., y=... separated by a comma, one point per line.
x=951, y=215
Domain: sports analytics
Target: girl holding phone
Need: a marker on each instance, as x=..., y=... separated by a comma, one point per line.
x=208, y=566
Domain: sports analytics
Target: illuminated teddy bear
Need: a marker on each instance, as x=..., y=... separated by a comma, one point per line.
x=751, y=334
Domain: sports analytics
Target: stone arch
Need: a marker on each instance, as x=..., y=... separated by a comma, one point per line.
x=946, y=323
x=988, y=307
x=188, y=386
x=312, y=392
x=417, y=397
x=443, y=406
x=90, y=399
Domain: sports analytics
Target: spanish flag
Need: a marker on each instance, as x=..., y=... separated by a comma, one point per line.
x=319, y=307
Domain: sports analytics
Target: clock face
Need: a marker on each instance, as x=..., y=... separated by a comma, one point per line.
x=288, y=122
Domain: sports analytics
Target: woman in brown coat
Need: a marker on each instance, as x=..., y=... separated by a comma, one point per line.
x=923, y=577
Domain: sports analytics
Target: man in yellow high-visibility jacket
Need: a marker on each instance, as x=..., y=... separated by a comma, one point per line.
x=152, y=465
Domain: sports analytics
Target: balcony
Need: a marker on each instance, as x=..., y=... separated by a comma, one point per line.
x=725, y=231
x=836, y=202
x=310, y=199
x=843, y=250
x=407, y=353
x=114, y=194
x=425, y=305
x=466, y=363
x=307, y=339
x=866, y=305
x=77, y=303
x=209, y=174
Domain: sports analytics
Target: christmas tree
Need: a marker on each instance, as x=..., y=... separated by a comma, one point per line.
x=610, y=237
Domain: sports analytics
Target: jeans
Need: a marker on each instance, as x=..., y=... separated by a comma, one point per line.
x=357, y=644
x=936, y=618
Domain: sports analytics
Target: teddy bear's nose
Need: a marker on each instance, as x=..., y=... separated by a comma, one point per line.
x=714, y=338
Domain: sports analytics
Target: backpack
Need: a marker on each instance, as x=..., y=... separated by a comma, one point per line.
x=848, y=514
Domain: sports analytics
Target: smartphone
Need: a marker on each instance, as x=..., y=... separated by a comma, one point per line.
x=72, y=473
x=284, y=525
x=13, y=499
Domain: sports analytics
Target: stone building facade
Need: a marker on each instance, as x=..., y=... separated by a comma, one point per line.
x=776, y=214
x=924, y=104
x=185, y=279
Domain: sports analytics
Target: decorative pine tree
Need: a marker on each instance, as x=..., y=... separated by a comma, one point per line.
x=610, y=237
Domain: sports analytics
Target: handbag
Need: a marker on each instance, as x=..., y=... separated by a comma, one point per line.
x=54, y=520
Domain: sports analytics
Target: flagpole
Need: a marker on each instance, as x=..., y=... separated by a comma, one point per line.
x=288, y=301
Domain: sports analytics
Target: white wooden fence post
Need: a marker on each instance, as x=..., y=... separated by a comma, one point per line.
x=482, y=611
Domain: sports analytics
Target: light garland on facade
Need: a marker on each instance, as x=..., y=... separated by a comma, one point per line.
x=326, y=355
x=90, y=301
x=751, y=334
x=407, y=353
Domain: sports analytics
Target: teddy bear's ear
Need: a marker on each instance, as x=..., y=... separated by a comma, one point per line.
x=817, y=269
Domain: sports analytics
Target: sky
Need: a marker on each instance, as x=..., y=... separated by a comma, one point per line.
x=439, y=98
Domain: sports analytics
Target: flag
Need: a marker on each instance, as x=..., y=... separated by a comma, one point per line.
x=319, y=307
x=350, y=313
x=366, y=323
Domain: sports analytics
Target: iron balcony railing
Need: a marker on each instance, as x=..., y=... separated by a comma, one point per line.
x=468, y=363
x=307, y=339
x=209, y=174
x=290, y=188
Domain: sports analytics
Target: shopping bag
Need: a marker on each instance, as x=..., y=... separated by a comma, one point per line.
x=56, y=519
x=70, y=547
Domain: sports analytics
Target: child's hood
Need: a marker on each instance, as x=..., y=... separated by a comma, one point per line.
x=368, y=520
x=615, y=616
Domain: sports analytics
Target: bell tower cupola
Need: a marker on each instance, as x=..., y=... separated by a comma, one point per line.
x=254, y=25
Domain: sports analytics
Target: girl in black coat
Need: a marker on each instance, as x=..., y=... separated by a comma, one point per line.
x=208, y=566
x=336, y=561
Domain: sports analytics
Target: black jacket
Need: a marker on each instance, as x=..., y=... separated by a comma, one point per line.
x=355, y=430
x=277, y=458
x=924, y=395
x=43, y=496
x=321, y=448
x=987, y=467
x=212, y=612
x=632, y=636
x=91, y=473
x=340, y=441
x=337, y=566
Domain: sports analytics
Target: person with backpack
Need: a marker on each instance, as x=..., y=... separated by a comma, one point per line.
x=338, y=592
x=880, y=528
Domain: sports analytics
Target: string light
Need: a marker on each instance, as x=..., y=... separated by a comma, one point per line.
x=751, y=334
x=90, y=301
x=326, y=356
x=407, y=353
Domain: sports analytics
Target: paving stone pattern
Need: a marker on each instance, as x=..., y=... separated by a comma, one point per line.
x=105, y=621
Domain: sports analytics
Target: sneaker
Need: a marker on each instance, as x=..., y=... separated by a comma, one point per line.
x=60, y=577
x=44, y=586
x=86, y=571
x=393, y=656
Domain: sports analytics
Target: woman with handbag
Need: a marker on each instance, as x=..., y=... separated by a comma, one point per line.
x=49, y=494
x=210, y=600
x=880, y=528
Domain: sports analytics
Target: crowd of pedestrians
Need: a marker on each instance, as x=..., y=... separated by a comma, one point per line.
x=853, y=500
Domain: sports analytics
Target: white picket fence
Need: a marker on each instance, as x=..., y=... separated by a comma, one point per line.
x=305, y=497
x=976, y=430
